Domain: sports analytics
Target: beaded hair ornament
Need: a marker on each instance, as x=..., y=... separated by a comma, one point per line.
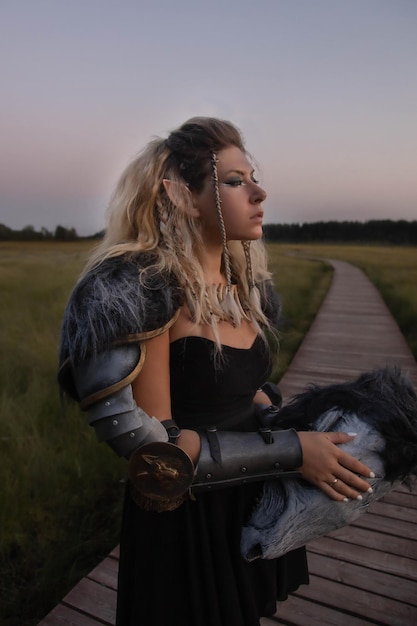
x=227, y=297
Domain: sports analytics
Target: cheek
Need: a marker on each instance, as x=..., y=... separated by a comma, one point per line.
x=206, y=206
x=209, y=219
x=209, y=222
x=232, y=217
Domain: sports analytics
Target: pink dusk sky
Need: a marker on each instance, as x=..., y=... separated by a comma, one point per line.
x=324, y=91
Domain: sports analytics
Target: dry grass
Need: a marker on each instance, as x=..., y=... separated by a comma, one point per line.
x=60, y=491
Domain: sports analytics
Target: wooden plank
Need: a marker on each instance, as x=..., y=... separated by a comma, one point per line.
x=392, y=544
x=402, y=487
x=401, y=499
x=385, y=509
x=357, y=576
x=387, y=525
x=63, y=615
x=299, y=611
x=106, y=573
x=267, y=621
x=358, y=603
x=374, y=559
x=94, y=600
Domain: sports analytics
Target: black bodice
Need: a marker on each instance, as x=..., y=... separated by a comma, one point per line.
x=203, y=394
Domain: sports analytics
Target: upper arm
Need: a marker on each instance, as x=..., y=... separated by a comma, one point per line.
x=151, y=388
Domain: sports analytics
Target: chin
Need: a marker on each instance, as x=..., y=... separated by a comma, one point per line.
x=250, y=235
x=256, y=236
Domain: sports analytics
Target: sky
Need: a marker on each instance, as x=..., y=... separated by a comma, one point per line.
x=324, y=92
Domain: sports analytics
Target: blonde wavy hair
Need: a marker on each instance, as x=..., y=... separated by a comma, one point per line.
x=142, y=218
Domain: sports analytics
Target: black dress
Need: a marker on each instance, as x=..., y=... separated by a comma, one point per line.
x=185, y=566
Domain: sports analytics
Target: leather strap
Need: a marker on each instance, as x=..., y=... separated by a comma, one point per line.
x=172, y=429
x=214, y=444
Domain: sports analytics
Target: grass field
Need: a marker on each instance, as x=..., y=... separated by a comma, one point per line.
x=61, y=492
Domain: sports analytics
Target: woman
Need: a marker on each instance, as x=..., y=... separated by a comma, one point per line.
x=163, y=340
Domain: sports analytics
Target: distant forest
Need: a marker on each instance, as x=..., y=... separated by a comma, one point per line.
x=399, y=232
x=29, y=233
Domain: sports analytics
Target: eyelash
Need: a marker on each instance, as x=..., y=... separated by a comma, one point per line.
x=238, y=182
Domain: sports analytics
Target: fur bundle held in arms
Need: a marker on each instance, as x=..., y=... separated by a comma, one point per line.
x=381, y=407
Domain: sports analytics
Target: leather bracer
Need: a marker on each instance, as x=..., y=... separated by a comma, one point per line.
x=162, y=474
x=231, y=458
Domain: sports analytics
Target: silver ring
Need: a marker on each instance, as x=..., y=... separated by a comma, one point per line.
x=334, y=481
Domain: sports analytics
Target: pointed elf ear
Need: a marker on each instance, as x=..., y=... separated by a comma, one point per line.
x=180, y=196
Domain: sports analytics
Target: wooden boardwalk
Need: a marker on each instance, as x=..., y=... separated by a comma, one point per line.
x=365, y=573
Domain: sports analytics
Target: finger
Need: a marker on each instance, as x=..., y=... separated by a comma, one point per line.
x=333, y=493
x=347, y=460
x=351, y=486
x=356, y=467
x=340, y=437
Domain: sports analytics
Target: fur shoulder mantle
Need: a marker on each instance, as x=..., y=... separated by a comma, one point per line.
x=111, y=303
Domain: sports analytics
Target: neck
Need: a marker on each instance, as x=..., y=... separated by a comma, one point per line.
x=211, y=262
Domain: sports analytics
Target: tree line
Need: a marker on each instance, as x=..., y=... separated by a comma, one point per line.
x=399, y=232
x=29, y=233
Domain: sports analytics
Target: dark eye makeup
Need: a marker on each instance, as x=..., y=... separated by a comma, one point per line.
x=237, y=181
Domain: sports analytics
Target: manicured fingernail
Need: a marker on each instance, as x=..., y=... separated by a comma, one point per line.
x=359, y=497
x=370, y=490
x=345, y=499
x=352, y=434
x=371, y=475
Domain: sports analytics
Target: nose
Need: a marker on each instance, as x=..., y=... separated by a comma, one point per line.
x=258, y=194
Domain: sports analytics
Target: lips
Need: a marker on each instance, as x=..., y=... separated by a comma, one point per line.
x=258, y=217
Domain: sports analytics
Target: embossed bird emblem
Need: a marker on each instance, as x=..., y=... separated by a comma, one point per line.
x=158, y=468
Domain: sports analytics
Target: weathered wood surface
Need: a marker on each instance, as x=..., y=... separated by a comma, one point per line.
x=365, y=573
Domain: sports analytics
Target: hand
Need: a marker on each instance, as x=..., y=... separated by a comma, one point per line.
x=329, y=468
x=189, y=441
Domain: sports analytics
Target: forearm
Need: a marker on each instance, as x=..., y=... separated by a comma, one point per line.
x=163, y=474
x=229, y=458
x=189, y=441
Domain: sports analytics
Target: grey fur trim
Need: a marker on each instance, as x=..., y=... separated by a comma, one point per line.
x=110, y=303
